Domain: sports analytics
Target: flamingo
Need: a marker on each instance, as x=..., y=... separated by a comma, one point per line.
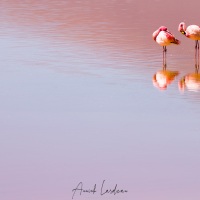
x=164, y=38
x=192, y=32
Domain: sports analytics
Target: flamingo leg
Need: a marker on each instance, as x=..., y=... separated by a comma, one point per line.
x=197, y=54
x=196, y=70
x=164, y=57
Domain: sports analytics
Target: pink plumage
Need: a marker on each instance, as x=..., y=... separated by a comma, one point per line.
x=163, y=37
x=192, y=31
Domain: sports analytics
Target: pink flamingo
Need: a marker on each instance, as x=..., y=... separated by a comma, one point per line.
x=164, y=38
x=192, y=32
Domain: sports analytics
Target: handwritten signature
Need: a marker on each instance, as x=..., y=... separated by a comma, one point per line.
x=79, y=189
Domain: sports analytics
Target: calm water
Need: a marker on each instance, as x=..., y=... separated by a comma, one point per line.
x=84, y=98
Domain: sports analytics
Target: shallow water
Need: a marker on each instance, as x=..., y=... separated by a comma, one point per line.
x=84, y=98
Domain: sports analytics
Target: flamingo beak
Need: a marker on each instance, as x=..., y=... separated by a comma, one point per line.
x=183, y=32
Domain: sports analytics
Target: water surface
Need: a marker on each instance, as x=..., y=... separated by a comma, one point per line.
x=79, y=100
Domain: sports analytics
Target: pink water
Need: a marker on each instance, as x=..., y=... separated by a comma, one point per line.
x=79, y=104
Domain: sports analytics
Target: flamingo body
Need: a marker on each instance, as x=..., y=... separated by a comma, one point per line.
x=192, y=31
x=163, y=37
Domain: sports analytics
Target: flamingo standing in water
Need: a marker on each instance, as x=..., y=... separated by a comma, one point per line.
x=192, y=32
x=164, y=38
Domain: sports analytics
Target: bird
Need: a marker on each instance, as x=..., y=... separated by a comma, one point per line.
x=192, y=32
x=164, y=38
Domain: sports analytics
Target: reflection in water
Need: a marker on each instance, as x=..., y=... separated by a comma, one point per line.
x=191, y=81
x=163, y=78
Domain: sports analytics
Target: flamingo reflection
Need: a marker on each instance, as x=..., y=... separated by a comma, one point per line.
x=163, y=78
x=191, y=81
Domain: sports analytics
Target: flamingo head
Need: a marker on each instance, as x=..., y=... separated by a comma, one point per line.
x=182, y=28
x=163, y=28
x=155, y=34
